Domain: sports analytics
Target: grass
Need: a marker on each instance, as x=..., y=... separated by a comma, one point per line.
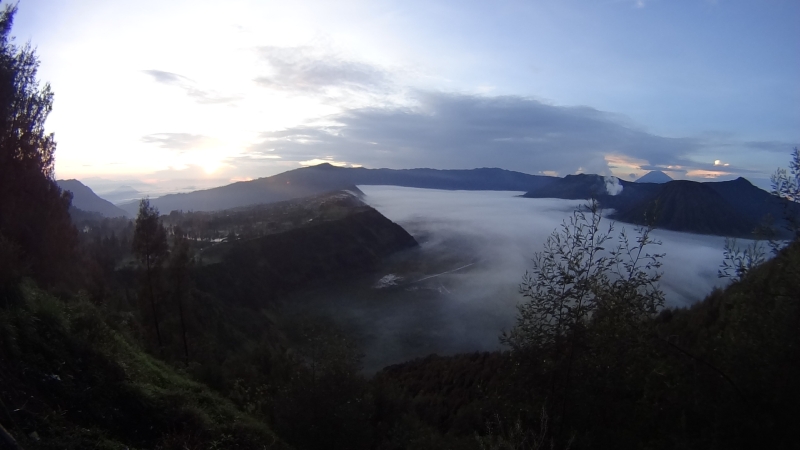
x=71, y=377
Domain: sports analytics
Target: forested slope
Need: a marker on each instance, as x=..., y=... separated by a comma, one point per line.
x=720, y=374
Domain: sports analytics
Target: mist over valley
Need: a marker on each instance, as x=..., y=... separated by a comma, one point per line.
x=458, y=290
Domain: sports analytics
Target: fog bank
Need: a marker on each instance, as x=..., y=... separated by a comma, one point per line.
x=459, y=290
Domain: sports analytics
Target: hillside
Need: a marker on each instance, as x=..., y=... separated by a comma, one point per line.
x=692, y=207
x=86, y=372
x=74, y=377
x=728, y=208
x=325, y=177
x=85, y=199
x=738, y=203
x=719, y=374
x=304, y=242
x=755, y=203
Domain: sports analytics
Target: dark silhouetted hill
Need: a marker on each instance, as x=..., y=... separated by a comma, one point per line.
x=727, y=208
x=572, y=187
x=85, y=199
x=585, y=186
x=755, y=203
x=348, y=239
x=325, y=177
x=689, y=206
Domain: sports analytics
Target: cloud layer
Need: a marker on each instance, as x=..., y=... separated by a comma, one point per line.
x=454, y=130
x=306, y=70
x=466, y=310
x=446, y=130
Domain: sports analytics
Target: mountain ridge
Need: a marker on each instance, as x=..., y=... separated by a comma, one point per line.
x=685, y=205
x=84, y=198
x=325, y=177
x=725, y=208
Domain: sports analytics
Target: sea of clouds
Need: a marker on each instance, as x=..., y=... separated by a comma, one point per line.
x=481, y=242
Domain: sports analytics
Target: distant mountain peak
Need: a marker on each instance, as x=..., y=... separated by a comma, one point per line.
x=324, y=165
x=655, y=176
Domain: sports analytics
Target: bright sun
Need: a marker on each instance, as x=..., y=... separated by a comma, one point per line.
x=209, y=161
x=210, y=166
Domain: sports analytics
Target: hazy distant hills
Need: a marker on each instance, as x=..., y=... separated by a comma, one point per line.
x=584, y=186
x=727, y=208
x=730, y=208
x=325, y=177
x=655, y=176
x=85, y=199
x=123, y=194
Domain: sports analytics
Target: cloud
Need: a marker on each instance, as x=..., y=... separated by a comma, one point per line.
x=177, y=141
x=190, y=88
x=167, y=77
x=465, y=310
x=700, y=173
x=308, y=70
x=447, y=130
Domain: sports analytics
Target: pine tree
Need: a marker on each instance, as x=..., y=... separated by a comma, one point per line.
x=36, y=235
x=150, y=248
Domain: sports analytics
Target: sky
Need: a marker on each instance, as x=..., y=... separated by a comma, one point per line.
x=182, y=95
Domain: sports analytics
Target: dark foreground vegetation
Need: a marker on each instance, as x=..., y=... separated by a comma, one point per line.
x=118, y=335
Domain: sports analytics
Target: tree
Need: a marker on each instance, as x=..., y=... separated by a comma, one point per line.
x=584, y=294
x=575, y=278
x=180, y=262
x=786, y=185
x=737, y=260
x=150, y=248
x=34, y=217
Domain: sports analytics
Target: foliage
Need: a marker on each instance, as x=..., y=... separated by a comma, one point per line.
x=315, y=397
x=516, y=436
x=150, y=248
x=575, y=278
x=738, y=261
x=70, y=372
x=149, y=237
x=34, y=216
x=786, y=184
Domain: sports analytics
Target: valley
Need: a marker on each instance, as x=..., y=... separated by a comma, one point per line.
x=486, y=239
